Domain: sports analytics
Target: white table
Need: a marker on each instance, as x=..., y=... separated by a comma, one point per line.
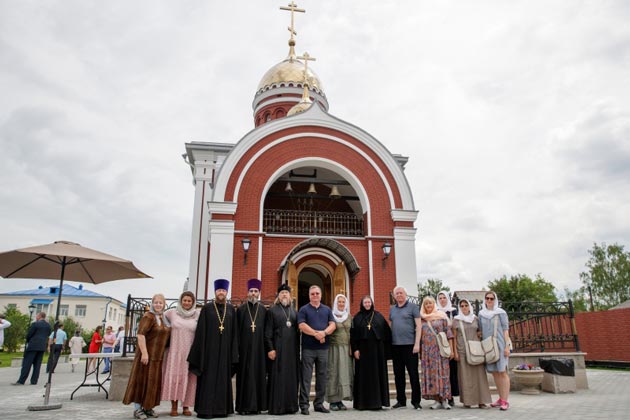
x=100, y=357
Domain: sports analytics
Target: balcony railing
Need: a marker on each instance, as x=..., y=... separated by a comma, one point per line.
x=304, y=222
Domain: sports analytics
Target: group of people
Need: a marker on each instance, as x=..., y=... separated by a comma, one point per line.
x=452, y=374
x=189, y=355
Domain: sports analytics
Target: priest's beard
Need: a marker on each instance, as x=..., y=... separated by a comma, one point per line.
x=252, y=299
x=285, y=301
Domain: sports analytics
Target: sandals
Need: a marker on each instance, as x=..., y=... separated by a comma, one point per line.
x=187, y=412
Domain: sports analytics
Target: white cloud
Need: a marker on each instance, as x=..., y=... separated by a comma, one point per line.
x=514, y=116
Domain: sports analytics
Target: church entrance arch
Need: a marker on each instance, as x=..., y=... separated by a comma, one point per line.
x=323, y=262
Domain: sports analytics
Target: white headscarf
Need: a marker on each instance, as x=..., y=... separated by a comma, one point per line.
x=159, y=316
x=341, y=316
x=448, y=307
x=186, y=313
x=466, y=318
x=489, y=313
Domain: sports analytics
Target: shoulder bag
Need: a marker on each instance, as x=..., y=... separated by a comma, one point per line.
x=490, y=345
x=442, y=340
x=474, y=352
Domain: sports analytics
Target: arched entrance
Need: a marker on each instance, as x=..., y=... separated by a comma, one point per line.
x=323, y=262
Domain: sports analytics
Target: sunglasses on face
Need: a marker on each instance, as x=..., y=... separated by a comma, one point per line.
x=489, y=298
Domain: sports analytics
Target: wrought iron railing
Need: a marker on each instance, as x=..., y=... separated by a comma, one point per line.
x=535, y=326
x=137, y=306
x=304, y=222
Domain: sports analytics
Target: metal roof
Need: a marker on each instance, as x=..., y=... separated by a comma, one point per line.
x=68, y=291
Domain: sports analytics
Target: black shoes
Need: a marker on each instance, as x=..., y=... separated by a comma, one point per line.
x=304, y=411
x=322, y=409
x=416, y=406
x=399, y=405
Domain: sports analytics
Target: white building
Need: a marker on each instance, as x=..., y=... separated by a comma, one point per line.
x=88, y=308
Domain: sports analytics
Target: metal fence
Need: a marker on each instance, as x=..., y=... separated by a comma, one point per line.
x=535, y=326
x=305, y=222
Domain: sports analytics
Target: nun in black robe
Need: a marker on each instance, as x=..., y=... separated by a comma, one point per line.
x=213, y=353
x=370, y=339
x=282, y=336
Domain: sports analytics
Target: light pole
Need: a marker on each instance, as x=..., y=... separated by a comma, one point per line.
x=31, y=309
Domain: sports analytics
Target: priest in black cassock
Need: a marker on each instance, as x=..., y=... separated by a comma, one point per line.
x=213, y=353
x=282, y=346
x=251, y=376
x=370, y=339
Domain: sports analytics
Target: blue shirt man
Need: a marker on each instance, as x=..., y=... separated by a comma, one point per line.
x=56, y=347
x=316, y=322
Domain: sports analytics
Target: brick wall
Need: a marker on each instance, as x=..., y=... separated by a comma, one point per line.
x=604, y=335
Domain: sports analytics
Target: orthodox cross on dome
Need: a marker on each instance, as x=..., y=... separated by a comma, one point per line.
x=306, y=57
x=292, y=7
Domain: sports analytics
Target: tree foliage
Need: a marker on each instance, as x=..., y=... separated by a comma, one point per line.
x=608, y=277
x=15, y=335
x=579, y=299
x=431, y=288
x=522, y=288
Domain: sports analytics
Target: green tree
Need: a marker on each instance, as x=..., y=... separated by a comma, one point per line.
x=431, y=288
x=15, y=335
x=607, y=280
x=578, y=297
x=522, y=288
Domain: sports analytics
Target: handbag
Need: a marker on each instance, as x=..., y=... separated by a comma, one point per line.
x=474, y=352
x=442, y=341
x=490, y=346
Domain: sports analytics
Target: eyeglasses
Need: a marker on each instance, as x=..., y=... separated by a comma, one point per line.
x=315, y=293
x=489, y=298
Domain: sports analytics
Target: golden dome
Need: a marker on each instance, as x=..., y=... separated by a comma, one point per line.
x=289, y=71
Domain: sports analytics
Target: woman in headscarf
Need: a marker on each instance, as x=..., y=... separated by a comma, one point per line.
x=371, y=339
x=473, y=380
x=178, y=383
x=443, y=303
x=340, y=370
x=145, y=379
x=492, y=318
x=436, y=384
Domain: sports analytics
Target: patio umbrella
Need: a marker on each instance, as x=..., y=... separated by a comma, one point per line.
x=65, y=260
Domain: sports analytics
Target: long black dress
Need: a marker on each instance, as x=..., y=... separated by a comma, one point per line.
x=211, y=357
x=453, y=377
x=284, y=377
x=371, y=385
x=251, y=377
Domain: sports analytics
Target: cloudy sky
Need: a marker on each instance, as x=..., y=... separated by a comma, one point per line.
x=515, y=116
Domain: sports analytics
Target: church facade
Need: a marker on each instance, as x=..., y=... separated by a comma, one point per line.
x=304, y=198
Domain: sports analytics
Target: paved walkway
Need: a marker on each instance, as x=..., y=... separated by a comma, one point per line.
x=607, y=398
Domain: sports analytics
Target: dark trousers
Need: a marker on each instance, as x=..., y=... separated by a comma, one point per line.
x=404, y=357
x=34, y=359
x=53, y=357
x=319, y=358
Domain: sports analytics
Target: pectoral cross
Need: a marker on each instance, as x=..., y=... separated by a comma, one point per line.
x=221, y=328
x=253, y=327
x=369, y=327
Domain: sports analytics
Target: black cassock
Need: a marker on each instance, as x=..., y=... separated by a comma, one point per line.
x=251, y=377
x=211, y=357
x=283, y=372
x=371, y=385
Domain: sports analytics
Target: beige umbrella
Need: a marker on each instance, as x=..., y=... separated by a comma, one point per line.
x=64, y=260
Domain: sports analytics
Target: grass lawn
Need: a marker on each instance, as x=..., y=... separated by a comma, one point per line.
x=5, y=358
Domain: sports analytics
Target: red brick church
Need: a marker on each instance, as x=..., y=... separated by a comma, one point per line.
x=304, y=198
